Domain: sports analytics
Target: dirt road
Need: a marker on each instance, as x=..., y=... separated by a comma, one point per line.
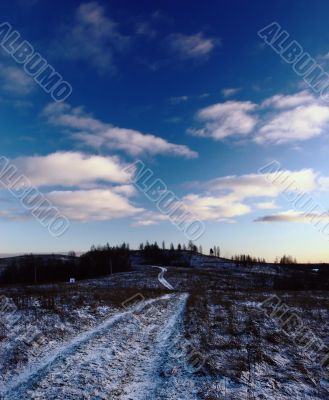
x=130, y=356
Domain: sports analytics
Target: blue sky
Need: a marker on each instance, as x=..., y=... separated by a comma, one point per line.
x=190, y=89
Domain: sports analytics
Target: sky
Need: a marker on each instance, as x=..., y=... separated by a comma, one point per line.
x=194, y=91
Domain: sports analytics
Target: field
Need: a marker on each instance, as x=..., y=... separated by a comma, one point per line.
x=217, y=335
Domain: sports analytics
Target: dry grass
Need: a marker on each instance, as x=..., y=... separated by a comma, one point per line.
x=241, y=341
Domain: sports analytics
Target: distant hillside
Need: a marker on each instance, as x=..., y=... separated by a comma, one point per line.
x=105, y=260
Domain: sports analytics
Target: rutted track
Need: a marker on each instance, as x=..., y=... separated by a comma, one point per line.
x=119, y=359
x=162, y=279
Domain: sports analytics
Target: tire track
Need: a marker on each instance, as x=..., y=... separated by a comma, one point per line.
x=118, y=359
x=162, y=279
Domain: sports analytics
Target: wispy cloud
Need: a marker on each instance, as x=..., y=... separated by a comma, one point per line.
x=184, y=99
x=96, y=134
x=226, y=119
x=280, y=101
x=149, y=218
x=300, y=123
x=228, y=92
x=92, y=37
x=294, y=216
x=226, y=198
x=145, y=29
x=14, y=80
x=179, y=99
x=240, y=187
x=277, y=120
x=214, y=208
x=14, y=214
x=197, y=46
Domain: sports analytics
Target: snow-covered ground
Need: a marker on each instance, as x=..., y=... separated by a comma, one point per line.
x=249, y=354
x=131, y=336
x=127, y=356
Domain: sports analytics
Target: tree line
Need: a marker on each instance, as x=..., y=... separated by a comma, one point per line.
x=98, y=261
x=214, y=251
x=247, y=260
x=104, y=260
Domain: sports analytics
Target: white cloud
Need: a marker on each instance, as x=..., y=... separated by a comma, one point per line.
x=134, y=142
x=221, y=199
x=292, y=118
x=149, y=218
x=184, y=99
x=71, y=169
x=94, y=133
x=87, y=205
x=93, y=37
x=15, y=80
x=277, y=120
x=281, y=101
x=298, y=124
x=99, y=187
x=228, y=92
x=196, y=46
x=228, y=197
x=201, y=207
x=214, y=208
x=240, y=187
x=266, y=205
x=226, y=119
x=225, y=198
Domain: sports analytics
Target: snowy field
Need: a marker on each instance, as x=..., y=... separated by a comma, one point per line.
x=128, y=337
